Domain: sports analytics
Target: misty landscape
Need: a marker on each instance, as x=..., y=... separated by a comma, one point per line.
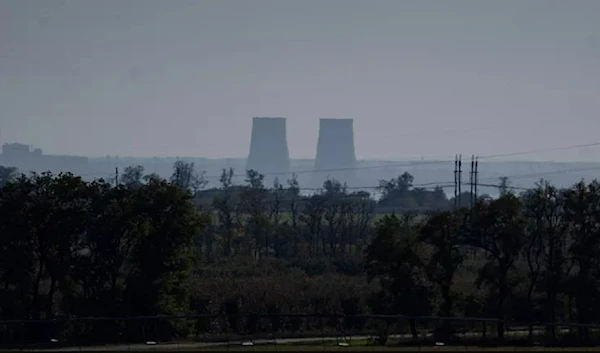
x=299, y=175
x=271, y=158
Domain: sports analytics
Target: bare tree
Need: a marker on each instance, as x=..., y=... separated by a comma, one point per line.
x=183, y=174
x=335, y=194
x=224, y=204
x=359, y=215
x=132, y=176
x=547, y=237
x=198, y=181
x=276, y=202
x=312, y=217
x=498, y=230
x=293, y=192
x=532, y=250
x=254, y=198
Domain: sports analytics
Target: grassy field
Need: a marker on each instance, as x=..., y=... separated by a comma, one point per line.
x=325, y=346
x=393, y=343
x=402, y=349
x=332, y=348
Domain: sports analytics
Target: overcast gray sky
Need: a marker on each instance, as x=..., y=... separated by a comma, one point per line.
x=183, y=78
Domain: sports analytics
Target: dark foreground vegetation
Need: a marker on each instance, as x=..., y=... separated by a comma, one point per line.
x=142, y=246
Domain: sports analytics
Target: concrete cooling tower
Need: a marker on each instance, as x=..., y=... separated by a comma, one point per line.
x=335, y=150
x=268, y=149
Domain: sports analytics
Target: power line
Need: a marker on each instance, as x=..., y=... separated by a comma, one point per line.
x=541, y=150
x=449, y=183
x=416, y=163
x=520, y=176
x=421, y=163
x=378, y=190
x=541, y=174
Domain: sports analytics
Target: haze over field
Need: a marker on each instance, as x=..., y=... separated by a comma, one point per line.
x=183, y=78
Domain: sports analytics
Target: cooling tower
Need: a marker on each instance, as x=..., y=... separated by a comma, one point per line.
x=335, y=158
x=268, y=148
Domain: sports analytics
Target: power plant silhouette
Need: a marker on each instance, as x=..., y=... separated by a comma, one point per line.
x=269, y=152
x=335, y=159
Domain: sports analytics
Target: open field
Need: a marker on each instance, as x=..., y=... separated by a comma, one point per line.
x=396, y=339
x=406, y=349
x=395, y=343
x=311, y=348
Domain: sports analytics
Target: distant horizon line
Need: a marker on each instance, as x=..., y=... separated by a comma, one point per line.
x=311, y=159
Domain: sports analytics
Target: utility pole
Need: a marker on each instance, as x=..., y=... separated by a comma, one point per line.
x=116, y=176
x=471, y=181
x=455, y=181
x=476, y=177
x=459, y=179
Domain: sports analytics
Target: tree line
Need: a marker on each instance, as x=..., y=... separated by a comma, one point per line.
x=141, y=245
x=531, y=258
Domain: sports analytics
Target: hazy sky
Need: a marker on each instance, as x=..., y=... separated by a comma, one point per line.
x=183, y=78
